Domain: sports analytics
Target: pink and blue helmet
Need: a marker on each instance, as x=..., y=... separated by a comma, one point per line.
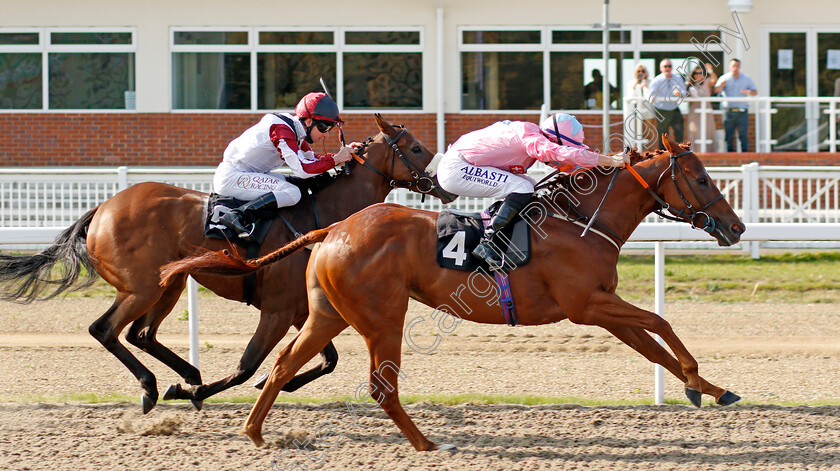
x=565, y=129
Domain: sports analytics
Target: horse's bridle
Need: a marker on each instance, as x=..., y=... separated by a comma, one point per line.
x=687, y=214
x=422, y=182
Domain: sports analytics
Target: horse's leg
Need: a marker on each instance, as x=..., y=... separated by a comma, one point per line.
x=126, y=308
x=610, y=311
x=384, y=346
x=270, y=330
x=322, y=325
x=638, y=339
x=143, y=332
x=641, y=341
x=329, y=359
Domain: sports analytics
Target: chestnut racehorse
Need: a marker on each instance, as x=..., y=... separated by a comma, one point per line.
x=129, y=237
x=369, y=265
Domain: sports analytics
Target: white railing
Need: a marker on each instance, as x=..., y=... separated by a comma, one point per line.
x=763, y=109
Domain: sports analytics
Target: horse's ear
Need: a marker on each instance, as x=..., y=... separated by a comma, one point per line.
x=384, y=126
x=671, y=145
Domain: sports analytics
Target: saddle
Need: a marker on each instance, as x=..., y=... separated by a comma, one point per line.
x=260, y=220
x=218, y=206
x=460, y=231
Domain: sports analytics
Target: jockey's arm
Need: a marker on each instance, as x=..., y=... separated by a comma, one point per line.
x=555, y=155
x=542, y=149
x=303, y=163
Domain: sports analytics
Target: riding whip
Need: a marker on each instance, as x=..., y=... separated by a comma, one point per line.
x=340, y=130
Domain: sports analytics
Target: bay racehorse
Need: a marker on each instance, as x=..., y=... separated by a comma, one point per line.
x=367, y=267
x=129, y=237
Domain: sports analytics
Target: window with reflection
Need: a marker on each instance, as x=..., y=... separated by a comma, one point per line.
x=501, y=80
x=282, y=78
x=211, y=81
x=89, y=69
x=383, y=80
x=381, y=68
x=788, y=78
x=94, y=81
x=21, y=81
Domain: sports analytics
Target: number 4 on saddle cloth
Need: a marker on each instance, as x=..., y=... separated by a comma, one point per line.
x=460, y=231
x=458, y=234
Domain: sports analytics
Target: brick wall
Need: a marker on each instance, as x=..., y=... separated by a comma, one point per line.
x=181, y=139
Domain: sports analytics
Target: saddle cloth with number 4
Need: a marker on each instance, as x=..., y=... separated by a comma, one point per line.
x=460, y=231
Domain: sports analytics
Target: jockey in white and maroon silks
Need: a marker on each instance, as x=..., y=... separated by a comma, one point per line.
x=491, y=163
x=276, y=140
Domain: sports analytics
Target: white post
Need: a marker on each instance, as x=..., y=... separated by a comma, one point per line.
x=192, y=304
x=832, y=126
x=703, y=113
x=441, y=117
x=659, y=309
x=752, y=174
x=122, y=178
x=605, y=100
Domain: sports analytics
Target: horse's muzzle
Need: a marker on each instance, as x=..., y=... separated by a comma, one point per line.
x=730, y=235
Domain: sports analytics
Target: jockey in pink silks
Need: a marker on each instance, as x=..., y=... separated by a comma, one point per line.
x=491, y=163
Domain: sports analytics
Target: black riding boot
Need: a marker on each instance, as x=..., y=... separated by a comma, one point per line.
x=485, y=250
x=232, y=219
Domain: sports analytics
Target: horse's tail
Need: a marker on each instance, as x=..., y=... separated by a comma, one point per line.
x=24, y=278
x=227, y=262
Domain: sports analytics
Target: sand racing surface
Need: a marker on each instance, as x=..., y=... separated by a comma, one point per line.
x=776, y=356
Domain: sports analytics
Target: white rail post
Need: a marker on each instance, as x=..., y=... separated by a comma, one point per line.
x=832, y=126
x=752, y=174
x=751, y=204
x=122, y=178
x=192, y=305
x=703, y=113
x=659, y=309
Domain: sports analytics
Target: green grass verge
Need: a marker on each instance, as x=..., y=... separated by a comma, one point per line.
x=809, y=277
x=442, y=399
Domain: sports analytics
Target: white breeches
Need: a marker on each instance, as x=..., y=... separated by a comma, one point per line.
x=462, y=178
x=228, y=181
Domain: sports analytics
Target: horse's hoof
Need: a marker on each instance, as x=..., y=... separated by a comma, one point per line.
x=447, y=447
x=728, y=398
x=694, y=396
x=255, y=436
x=197, y=404
x=148, y=403
x=171, y=392
x=261, y=382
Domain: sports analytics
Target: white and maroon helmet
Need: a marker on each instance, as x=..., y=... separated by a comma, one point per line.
x=564, y=129
x=318, y=106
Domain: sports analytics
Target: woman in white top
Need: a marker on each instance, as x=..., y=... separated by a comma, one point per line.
x=700, y=84
x=640, y=88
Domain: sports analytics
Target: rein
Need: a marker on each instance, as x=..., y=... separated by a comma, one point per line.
x=422, y=182
x=687, y=214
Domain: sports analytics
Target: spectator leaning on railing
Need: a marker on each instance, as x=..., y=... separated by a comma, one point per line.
x=666, y=91
x=700, y=84
x=736, y=113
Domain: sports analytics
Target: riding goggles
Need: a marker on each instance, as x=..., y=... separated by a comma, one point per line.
x=324, y=126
